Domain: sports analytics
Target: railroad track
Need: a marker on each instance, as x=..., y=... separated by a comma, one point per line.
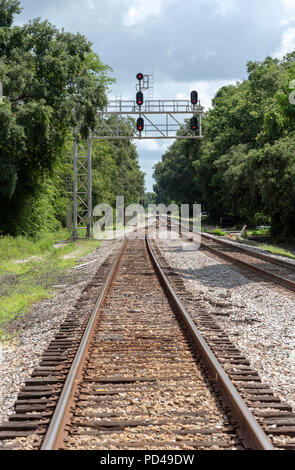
x=278, y=271
x=142, y=376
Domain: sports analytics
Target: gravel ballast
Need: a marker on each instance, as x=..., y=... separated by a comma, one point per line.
x=35, y=330
x=258, y=317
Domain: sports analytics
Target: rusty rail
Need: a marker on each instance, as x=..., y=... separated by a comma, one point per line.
x=266, y=274
x=59, y=418
x=249, y=428
x=287, y=283
x=254, y=254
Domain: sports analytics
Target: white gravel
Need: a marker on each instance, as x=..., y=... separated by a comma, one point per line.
x=36, y=329
x=259, y=319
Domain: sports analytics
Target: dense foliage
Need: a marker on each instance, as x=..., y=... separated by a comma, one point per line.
x=116, y=172
x=149, y=199
x=53, y=81
x=245, y=165
x=174, y=175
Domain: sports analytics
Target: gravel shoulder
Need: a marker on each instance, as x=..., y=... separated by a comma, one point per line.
x=255, y=249
x=35, y=330
x=258, y=318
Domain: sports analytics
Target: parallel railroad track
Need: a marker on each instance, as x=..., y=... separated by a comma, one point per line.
x=138, y=385
x=137, y=380
x=276, y=418
x=278, y=271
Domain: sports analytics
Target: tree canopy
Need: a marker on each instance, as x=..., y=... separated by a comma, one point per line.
x=53, y=81
x=244, y=166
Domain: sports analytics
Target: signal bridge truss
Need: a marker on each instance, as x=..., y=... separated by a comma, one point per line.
x=164, y=119
x=130, y=120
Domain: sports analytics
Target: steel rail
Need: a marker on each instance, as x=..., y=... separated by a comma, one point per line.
x=52, y=437
x=250, y=267
x=287, y=283
x=249, y=429
x=254, y=254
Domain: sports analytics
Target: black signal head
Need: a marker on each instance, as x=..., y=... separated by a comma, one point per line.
x=140, y=124
x=194, y=124
x=139, y=98
x=194, y=97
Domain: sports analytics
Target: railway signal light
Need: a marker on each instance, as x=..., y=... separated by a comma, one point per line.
x=194, y=124
x=194, y=97
x=139, y=98
x=139, y=76
x=140, y=124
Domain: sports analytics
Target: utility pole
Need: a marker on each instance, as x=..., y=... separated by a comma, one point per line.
x=90, y=210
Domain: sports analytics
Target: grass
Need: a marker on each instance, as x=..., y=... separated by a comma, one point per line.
x=29, y=270
x=15, y=304
x=217, y=232
x=277, y=251
x=263, y=232
x=22, y=247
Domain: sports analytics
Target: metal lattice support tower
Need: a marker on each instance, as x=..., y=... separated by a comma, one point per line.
x=151, y=86
x=82, y=188
x=148, y=84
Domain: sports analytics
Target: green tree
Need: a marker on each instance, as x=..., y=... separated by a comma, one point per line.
x=46, y=74
x=122, y=170
x=244, y=167
x=149, y=199
x=174, y=175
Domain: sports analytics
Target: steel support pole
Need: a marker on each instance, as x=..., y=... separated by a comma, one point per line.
x=90, y=212
x=75, y=189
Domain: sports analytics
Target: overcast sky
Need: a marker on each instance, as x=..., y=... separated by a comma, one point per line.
x=188, y=44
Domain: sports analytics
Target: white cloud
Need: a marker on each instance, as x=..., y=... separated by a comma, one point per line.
x=171, y=50
x=225, y=7
x=209, y=54
x=287, y=43
x=153, y=145
x=288, y=6
x=91, y=4
x=149, y=145
x=287, y=21
x=288, y=12
x=140, y=11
